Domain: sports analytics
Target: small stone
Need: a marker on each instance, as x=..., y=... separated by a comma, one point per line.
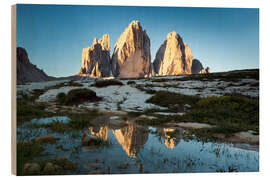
x=46, y=139
x=88, y=140
x=51, y=168
x=31, y=168
x=97, y=172
x=94, y=165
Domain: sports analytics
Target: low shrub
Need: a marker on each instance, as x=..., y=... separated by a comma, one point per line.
x=131, y=82
x=77, y=96
x=105, y=83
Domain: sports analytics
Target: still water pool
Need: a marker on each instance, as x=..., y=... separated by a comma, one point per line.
x=135, y=148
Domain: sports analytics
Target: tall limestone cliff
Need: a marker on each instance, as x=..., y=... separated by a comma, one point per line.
x=131, y=56
x=96, y=59
x=26, y=71
x=174, y=57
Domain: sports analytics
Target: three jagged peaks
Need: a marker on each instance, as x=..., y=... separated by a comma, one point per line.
x=132, y=58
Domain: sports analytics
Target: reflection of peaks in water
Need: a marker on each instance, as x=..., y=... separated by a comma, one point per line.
x=132, y=138
x=170, y=140
x=101, y=132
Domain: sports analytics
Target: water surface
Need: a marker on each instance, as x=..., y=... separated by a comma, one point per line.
x=141, y=149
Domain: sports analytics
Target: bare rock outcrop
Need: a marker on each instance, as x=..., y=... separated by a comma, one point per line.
x=197, y=67
x=96, y=59
x=131, y=56
x=174, y=57
x=28, y=72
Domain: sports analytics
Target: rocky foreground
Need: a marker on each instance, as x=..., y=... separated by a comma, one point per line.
x=132, y=94
x=123, y=96
x=135, y=114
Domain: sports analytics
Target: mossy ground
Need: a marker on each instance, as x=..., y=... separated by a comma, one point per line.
x=233, y=76
x=174, y=101
x=230, y=113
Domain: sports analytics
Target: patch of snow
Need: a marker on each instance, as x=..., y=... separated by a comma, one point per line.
x=38, y=85
x=169, y=113
x=114, y=117
x=147, y=117
x=51, y=94
x=193, y=125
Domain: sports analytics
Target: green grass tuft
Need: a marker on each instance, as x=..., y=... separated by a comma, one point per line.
x=174, y=101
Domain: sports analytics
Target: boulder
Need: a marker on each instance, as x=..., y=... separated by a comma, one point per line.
x=31, y=168
x=94, y=165
x=131, y=56
x=174, y=57
x=97, y=172
x=46, y=139
x=51, y=168
x=96, y=59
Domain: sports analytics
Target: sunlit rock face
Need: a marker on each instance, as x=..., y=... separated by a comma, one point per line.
x=132, y=138
x=131, y=56
x=174, y=57
x=26, y=71
x=100, y=132
x=96, y=59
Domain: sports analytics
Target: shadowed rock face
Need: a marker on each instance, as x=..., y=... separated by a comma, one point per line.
x=197, y=67
x=174, y=57
x=96, y=59
x=131, y=56
x=132, y=138
x=26, y=71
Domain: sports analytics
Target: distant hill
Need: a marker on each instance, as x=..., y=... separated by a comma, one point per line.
x=28, y=72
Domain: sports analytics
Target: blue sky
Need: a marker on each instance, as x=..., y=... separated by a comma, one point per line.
x=54, y=35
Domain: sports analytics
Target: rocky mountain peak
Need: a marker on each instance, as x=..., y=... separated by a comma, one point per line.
x=96, y=59
x=172, y=35
x=95, y=41
x=105, y=42
x=135, y=25
x=26, y=71
x=174, y=57
x=131, y=56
